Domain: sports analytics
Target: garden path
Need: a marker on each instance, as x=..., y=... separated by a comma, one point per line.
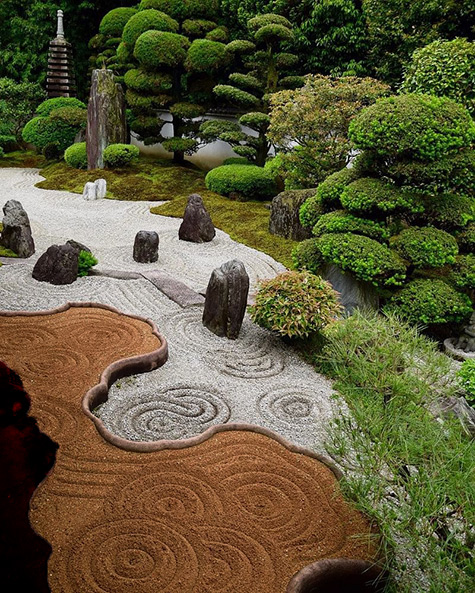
x=207, y=380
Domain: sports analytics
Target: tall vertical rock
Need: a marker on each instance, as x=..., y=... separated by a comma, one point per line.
x=60, y=81
x=105, y=117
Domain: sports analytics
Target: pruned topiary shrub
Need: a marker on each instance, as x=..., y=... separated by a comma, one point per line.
x=295, y=304
x=426, y=247
x=306, y=255
x=462, y=274
x=147, y=20
x=207, y=56
x=248, y=181
x=86, y=261
x=373, y=196
x=429, y=302
x=115, y=20
x=76, y=156
x=154, y=49
x=340, y=221
x=120, y=155
x=148, y=82
x=449, y=211
x=48, y=106
x=466, y=239
x=367, y=259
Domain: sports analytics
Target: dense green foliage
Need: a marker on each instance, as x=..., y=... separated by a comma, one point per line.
x=207, y=56
x=466, y=378
x=426, y=247
x=248, y=181
x=120, y=155
x=154, y=49
x=18, y=102
x=148, y=20
x=306, y=255
x=47, y=107
x=403, y=468
x=374, y=196
x=462, y=273
x=310, y=125
x=76, y=156
x=366, y=258
x=295, y=304
x=430, y=301
x=85, y=262
x=444, y=69
x=340, y=221
x=113, y=23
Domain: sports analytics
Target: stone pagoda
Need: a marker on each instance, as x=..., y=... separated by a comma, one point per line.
x=60, y=81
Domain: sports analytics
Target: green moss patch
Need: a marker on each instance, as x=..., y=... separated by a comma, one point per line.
x=23, y=158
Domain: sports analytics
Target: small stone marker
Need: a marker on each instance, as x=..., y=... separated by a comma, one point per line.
x=101, y=185
x=146, y=247
x=226, y=299
x=90, y=191
x=58, y=265
x=16, y=234
x=197, y=226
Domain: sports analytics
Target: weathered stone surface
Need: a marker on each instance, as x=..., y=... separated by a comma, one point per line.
x=197, y=226
x=458, y=407
x=78, y=246
x=16, y=234
x=105, y=117
x=90, y=191
x=146, y=247
x=353, y=294
x=101, y=185
x=284, y=217
x=58, y=265
x=463, y=346
x=226, y=299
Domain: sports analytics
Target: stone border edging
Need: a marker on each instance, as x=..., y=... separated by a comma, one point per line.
x=455, y=352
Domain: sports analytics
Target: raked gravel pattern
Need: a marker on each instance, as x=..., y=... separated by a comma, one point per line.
x=207, y=380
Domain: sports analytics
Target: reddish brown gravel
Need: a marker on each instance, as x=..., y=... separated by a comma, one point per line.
x=239, y=512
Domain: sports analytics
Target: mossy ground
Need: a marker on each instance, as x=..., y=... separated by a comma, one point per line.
x=23, y=158
x=161, y=180
x=4, y=252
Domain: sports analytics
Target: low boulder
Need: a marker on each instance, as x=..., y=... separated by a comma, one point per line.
x=284, y=216
x=58, y=265
x=16, y=233
x=197, y=226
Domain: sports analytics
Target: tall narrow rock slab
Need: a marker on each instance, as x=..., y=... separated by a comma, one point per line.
x=105, y=117
x=226, y=299
x=16, y=233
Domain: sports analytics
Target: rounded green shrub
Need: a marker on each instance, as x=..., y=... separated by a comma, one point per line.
x=255, y=120
x=429, y=302
x=197, y=27
x=444, y=68
x=370, y=195
x=183, y=9
x=85, y=262
x=178, y=144
x=249, y=181
x=114, y=21
x=285, y=61
x=147, y=20
x=310, y=211
x=124, y=53
x=44, y=109
x=295, y=304
x=273, y=33
x=306, y=255
x=148, y=82
x=340, y=221
x=246, y=81
x=220, y=34
x=367, y=259
x=76, y=156
x=466, y=380
x=420, y=127
x=241, y=46
x=425, y=247
x=236, y=96
x=263, y=20
x=466, y=239
x=146, y=103
x=206, y=56
x=155, y=49
x=187, y=110
x=74, y=116
x=449, y=211
x=120, y=155
x=41, y=131
x=329, y=191
x=292, y=82
x=462, y=273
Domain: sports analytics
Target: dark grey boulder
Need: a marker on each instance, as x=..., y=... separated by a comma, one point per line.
x=16, y=234
x=58, y=265
x=78, y=246
x=284, y=217
x=226, y=299
x=197, y=226
x=146, y=247
x=353, y=293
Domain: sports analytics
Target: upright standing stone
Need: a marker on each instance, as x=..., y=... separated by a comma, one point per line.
x=197, y=226
x=105, y=117
x=60, y=81
x=16, y=234
x=284, y=214
x=226, y=299
x=146, y=247
x=90, y=191
x=101, y=185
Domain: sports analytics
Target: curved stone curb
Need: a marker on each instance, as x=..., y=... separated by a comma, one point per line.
x=338, y=574
x=455, y=352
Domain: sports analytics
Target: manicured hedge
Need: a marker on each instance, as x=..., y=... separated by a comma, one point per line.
x=426, y=247
x=370, y=195
x=120, y=155
x=340, y=221
x=155, y=49
x=114, y=21
x=146, y=21
x=207, y=56
x=249, y=181
x=76, y=156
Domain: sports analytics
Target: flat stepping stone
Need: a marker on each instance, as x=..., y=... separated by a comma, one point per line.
x=174, y=289
x=237, y=508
